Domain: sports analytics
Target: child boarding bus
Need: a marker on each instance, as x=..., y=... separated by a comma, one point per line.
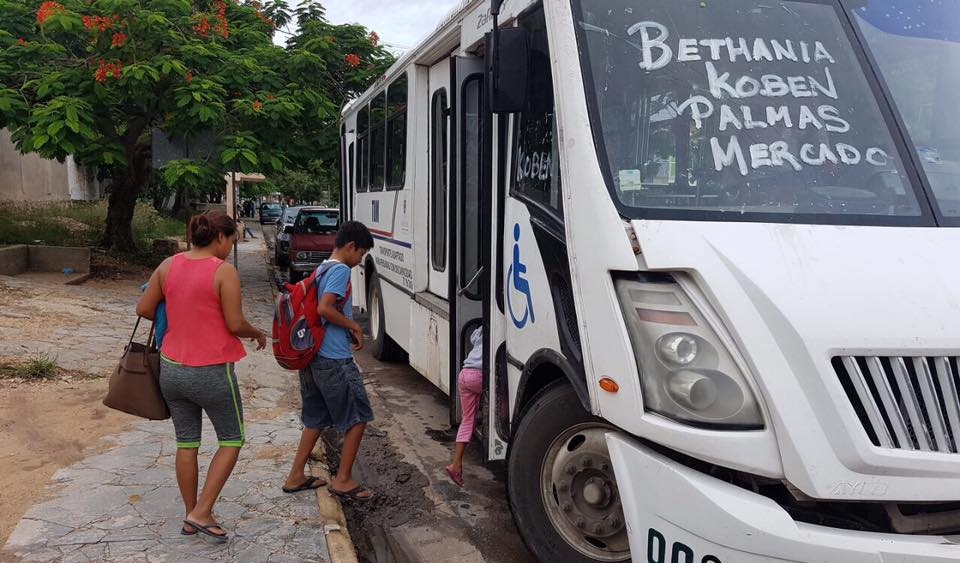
x=713, y=246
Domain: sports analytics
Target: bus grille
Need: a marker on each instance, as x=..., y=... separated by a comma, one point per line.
x=906, y=403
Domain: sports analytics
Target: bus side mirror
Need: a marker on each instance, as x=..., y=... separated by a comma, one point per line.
x=508, y=70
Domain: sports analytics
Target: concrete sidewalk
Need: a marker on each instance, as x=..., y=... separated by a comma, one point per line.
x=123, y=505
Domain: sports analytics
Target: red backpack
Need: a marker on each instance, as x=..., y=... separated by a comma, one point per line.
x=298, y=329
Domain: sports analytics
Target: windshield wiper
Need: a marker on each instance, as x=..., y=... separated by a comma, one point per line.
x=604, y=31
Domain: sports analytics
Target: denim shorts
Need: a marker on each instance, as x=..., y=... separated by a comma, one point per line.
x=333, y=395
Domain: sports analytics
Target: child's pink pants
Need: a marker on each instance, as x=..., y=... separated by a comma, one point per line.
x=471, y=387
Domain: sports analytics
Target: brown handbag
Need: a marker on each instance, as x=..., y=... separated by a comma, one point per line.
x=135, y=385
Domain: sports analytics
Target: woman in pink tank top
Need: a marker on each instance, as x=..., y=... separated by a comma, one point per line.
x=202, y=344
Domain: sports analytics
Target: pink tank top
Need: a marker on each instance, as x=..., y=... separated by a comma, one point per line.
x=197, y=333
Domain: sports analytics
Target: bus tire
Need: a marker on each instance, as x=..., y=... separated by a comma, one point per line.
x=560, y=482
x=382, y=347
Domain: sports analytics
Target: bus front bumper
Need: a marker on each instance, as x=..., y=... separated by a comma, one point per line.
x=675, y=514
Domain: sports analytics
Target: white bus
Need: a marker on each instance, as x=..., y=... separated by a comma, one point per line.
x=713, y=245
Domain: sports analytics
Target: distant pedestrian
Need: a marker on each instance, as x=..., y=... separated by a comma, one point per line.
x=470, y=385
x=331, y=388
x=201, y=346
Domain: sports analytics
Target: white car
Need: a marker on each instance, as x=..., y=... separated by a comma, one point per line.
x=283, y=239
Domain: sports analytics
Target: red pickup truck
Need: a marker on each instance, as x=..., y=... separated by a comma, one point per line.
x=312, y=239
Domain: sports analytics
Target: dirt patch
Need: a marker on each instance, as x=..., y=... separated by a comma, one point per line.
x=398, y=487
x=43, y=427
x=105, y=266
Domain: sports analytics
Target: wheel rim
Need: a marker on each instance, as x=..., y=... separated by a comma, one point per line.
x=374, y=312
x=580, y=494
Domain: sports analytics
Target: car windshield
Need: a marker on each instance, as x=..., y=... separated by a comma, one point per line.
x=741, y=110
x=917, y=48
x=318, y=222
x=290, y=215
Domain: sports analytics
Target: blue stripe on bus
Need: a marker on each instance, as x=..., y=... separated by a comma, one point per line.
x=393, y=240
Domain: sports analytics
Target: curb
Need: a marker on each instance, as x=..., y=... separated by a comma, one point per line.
x=332, y=519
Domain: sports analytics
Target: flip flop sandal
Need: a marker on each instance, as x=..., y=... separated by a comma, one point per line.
x=185, y=532
x=205, y=530
x=307, y=485
x=352, y=494
x=455, y=476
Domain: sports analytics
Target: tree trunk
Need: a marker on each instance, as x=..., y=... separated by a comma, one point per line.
x=118, y=235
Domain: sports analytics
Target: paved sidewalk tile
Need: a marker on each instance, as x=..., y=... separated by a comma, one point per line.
x=123, y=505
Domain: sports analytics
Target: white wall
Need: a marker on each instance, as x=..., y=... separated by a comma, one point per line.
x=31, y=178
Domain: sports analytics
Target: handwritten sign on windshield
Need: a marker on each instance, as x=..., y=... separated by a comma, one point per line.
x=805, y=100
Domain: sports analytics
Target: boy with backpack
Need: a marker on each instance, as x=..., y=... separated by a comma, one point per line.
x=331, y=386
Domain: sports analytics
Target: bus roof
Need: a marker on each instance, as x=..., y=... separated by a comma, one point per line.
x=455, y=15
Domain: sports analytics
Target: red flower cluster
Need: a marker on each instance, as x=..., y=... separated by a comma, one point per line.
x=189, y=78
x=353, y=60
x=374, y=38
x=271, y=98
x=100, y=23
x=48, y=9
x=265, y=19
x=202, y=27
x=257, y=105
x=119, y=40
x=221, y=7
x=105, y=69
x=21, y=41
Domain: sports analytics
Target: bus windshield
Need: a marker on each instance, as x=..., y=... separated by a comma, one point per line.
x=749, y=110
x=917, y=49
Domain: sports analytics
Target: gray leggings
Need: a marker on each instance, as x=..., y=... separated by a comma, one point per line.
x=211, y=389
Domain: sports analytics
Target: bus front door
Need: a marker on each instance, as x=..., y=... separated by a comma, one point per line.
x=469, y=265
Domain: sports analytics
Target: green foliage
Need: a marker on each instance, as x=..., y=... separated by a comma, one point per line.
x=316, y=183
x=93, y=78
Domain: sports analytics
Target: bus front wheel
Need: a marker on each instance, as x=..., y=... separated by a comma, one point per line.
x=382, y=347
x=561, y=485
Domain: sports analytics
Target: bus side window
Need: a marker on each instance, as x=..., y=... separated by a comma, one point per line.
x=536, y=177
x=378, y=148
x=350, y=185
x=363, y=144
x=397, y=133
x=438, y=180
x=471, y=120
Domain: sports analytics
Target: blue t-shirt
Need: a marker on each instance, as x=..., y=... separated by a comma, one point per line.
x=336, y=341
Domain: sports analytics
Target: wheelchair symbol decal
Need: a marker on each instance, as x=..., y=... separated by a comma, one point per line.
x=519, y=284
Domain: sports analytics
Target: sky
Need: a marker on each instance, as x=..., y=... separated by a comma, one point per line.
x=401, y=24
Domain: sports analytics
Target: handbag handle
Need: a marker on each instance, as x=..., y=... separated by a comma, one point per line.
x=151, y=340
x=134, y=333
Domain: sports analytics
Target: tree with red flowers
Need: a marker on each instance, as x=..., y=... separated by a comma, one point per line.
x=95, y=79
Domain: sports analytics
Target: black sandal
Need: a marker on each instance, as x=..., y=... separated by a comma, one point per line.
x=185, y=532
x=306, y=486
x=352, y=494
x=206, y=530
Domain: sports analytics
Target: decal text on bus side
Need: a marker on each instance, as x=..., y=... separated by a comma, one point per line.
x=661, y=551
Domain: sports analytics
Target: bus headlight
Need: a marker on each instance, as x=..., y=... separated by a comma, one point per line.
x=686, y=372
x=302, y=256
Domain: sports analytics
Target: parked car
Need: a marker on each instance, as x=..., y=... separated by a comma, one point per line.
x=312, y=240
x=283, y=238
x=270, y=213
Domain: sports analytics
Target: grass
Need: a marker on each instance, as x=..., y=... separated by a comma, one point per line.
x=36, y=367
x=79, y=224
